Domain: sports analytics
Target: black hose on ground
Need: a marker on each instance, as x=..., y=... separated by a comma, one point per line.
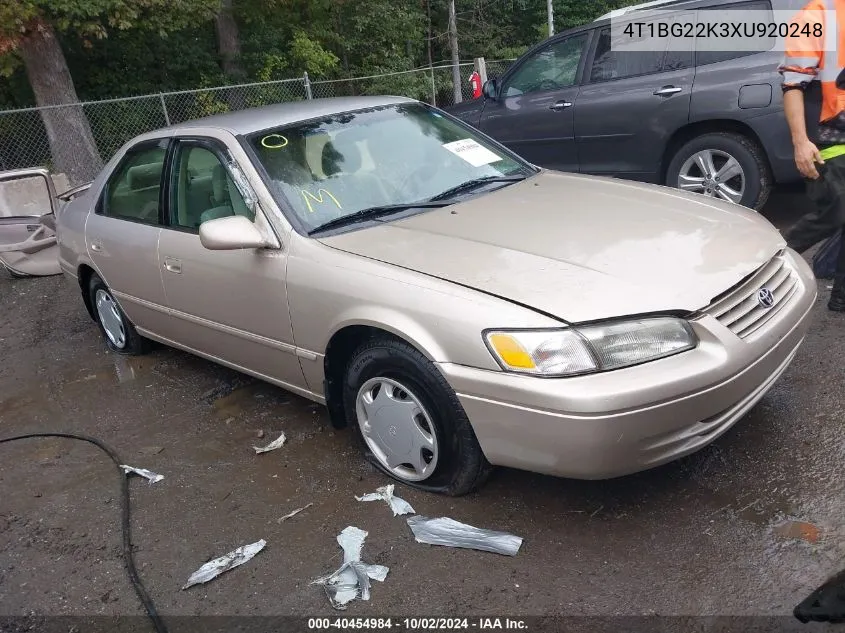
x=128, y=557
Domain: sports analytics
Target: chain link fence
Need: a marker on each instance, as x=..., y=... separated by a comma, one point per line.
x=59, y=137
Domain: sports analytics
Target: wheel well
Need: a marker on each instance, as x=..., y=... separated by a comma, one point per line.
x=341, y=346
x=84, y=277
x=691, y=131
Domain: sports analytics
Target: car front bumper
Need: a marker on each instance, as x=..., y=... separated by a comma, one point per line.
x=620, y=422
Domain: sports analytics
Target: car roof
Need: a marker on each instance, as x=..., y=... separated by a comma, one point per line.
x=262, y=118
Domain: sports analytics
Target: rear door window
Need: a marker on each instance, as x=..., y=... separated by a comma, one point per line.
x=134, y=190
x=613, y=62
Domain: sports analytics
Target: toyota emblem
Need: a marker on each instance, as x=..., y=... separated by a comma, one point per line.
x=765, y=298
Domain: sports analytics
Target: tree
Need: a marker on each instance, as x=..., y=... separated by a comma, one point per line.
x=229, y=48
x=456, y=57
x=28, y=29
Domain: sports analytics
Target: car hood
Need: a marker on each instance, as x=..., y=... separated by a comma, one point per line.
x=580, y=248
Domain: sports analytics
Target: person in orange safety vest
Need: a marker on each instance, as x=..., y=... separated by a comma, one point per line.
x=816, y=55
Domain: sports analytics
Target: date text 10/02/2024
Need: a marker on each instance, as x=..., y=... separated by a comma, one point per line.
x=417, y=624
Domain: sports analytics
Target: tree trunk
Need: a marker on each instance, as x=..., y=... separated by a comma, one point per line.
x=456, y=58
x=229, y=47
x=68, y=132
x=430, y=65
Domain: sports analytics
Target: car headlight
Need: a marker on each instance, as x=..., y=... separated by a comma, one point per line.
x=572, y=351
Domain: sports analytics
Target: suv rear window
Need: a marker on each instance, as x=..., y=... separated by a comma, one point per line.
x=704, y=57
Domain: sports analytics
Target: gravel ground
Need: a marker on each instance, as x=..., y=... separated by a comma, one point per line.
x=747, y=526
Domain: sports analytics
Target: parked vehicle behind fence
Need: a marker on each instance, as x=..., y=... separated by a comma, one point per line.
x=704, y=121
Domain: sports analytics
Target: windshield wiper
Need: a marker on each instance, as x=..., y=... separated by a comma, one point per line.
x=475, y=183
x=376, y=212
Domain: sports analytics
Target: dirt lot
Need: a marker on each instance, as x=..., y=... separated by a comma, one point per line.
x=707, y=535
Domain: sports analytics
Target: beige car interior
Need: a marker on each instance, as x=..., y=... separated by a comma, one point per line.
x=205, y=189
x=28, y=245
x=134, y=194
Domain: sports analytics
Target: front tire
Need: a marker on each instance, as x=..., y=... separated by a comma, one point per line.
x=119, y=333
x=409, y=421
x=722, y=165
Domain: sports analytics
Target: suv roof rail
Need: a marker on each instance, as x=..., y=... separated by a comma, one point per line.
x=637, y=7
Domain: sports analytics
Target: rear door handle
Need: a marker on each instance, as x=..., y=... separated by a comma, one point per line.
x=172, y=265
x=96, y=247
x=665, y=91
x=560, y=105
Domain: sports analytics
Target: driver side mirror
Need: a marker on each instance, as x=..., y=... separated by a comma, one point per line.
x=490, y=89
x=234, y=232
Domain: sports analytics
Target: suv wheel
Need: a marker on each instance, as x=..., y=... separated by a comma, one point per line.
x=722, y=165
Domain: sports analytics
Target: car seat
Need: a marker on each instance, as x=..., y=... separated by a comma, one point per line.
x=226, y=200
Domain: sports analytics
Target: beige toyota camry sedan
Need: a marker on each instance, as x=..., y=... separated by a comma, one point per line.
x=453, y=305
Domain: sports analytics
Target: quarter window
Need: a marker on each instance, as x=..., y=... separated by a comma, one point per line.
x=133, y=192
x=203, y=189
x=552, y=68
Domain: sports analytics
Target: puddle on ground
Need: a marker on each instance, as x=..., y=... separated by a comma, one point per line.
x=26, y=400
x=124, y=369
x=238, y=400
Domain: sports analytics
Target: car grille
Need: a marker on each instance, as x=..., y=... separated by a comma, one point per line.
x=739, y=309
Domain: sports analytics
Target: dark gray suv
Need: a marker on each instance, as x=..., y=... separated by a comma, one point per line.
x=704, y=121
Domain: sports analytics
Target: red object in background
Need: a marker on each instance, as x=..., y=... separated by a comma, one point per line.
x=475, y=82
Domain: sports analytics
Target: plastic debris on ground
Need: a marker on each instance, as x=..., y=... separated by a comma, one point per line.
x=385, y=493
x=352, y=579
x=272, y=446
x=214, y=568
x=451, y=533
x=143, y=472
x=294, y=513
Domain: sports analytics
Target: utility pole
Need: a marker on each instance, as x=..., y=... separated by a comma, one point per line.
x=551, y=15
x=456, y=58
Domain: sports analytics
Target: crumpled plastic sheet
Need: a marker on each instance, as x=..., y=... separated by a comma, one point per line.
x=143, y=472
x=451, y=533
x=398, y=505
x=214, y=568
x=272, y=446
x=352, y=579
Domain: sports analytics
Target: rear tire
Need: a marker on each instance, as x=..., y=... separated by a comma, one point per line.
x=118, y=331
x=414, y=401
x=722, y=147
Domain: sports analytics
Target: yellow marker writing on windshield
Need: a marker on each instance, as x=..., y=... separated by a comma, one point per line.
x=274, y=141
x=318, y=198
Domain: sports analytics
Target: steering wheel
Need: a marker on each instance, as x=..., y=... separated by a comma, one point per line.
x=413, y=182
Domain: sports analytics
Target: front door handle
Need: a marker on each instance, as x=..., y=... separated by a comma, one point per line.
x=560, y=105
x=665, y=91
x=172, y=265
x=96, y=247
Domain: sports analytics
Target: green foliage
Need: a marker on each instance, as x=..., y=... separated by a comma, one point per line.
x=94, y=17
x=129, y=47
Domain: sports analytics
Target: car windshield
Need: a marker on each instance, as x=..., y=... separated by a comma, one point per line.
x=397, y=155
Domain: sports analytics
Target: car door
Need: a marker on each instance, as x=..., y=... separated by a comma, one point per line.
x=228, y=305
x=532, y=113
x=121, y=236
x=631, y=103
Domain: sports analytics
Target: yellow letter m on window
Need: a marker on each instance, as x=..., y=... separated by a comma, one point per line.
x=319, y=197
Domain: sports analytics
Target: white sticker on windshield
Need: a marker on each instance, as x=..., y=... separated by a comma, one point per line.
x=472, y=152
